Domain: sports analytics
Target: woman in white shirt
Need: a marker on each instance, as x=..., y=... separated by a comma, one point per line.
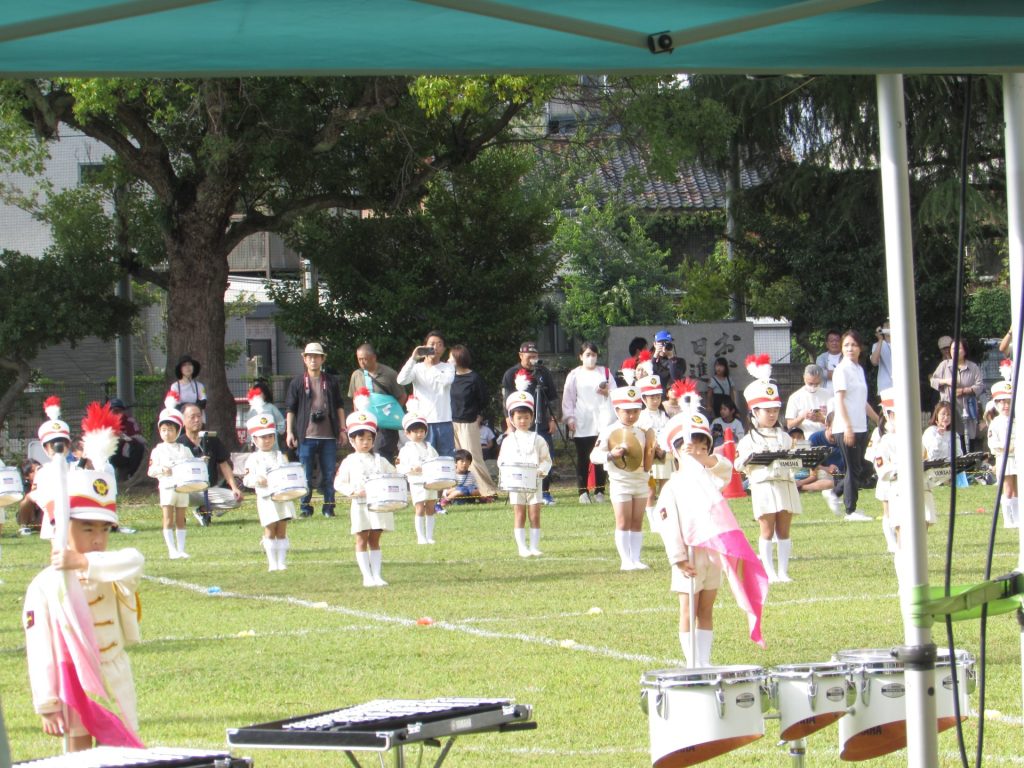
x=585, y=409
x=852, y=411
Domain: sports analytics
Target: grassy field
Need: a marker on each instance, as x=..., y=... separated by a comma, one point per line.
x=568, y=632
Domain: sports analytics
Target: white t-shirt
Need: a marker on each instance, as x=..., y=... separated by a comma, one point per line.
x=884, y=364
x=828, y=362
x=849, y=378
x=801, y=401
x=432, y=386
x=582, y=401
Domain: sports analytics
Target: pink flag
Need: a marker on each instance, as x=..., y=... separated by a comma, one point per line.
x=705, y=520
x=81, y=680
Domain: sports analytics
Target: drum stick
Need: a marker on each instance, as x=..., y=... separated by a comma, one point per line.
x=693, y=611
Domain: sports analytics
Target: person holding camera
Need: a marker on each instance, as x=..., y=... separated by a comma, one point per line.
x=206, y=445
x=667, y=366
x=808, y=406
x=315, y=425
x=881, y=356
x=544, y=391
x=432, y=379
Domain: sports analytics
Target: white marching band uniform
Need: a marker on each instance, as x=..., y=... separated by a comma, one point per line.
x=661, y=469
x=772, y=488
x=161, y=458
x=524, y=447
x=257, y=465
x=411, y=456
x=351, y=478
x=625, y=484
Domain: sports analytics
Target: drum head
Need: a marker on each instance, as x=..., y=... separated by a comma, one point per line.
x=288, y=494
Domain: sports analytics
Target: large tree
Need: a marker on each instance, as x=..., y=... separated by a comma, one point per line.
x=209, y=162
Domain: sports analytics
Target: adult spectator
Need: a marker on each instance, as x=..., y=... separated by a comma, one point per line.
x=188, y=389
x=377, y=377
x=315, y=425
x=850, y=419
x=881, y=356
x=545, y=393
x=666, y=365
x=205, y=446
x=720, y=387
x=821, y=477
x=131, y=445
x=470, y=399
x=586, y=407
x=969, y=383
x=945, y=342
x=807, y=406
x=431, y=380
x=1006, y=344
x=830, y=358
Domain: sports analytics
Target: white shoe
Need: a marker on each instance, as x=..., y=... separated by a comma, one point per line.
x=783, y=577
x=627, y=567
x=534, y=552
x=183, y=555
x=173, y=555
x=369, y=582
x=638, y=566
x=430, y=541
x=422, y=541
x=833, y=502
x=379, y=582
x=858, y=517
x=584, y=498
x=599, y=498
x=524, y=552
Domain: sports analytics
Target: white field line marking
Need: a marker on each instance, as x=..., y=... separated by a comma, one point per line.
x=404, y=622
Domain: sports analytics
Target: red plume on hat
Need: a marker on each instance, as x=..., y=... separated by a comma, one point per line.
x=361, y=399
x=523, y=379
x=684, y=390
x=255, y=397
x=759, y=366
x=171, y=399
x=51, y=407
x=100, y=430
x=628, y=370
x=1006, y=369
x=644, y=364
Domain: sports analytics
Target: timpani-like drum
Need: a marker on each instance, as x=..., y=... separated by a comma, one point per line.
x=287, y=482
x=697, y=714
x=810, y=697
x=439, y=473
x=11, y=488
x=387, y=492
x=518, y=478
x=190, y=475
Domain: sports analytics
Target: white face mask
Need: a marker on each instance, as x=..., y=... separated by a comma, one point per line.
x=811, y=387
x=589, y=361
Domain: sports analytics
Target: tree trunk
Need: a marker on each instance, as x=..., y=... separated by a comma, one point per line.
x=22, y=376
x=196, y=323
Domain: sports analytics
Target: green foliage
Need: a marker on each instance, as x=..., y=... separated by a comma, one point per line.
x=987, y=314
x=469, y=263
x=612, y=272
x=454, y=96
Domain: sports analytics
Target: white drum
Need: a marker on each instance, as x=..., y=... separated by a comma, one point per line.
x=387, y=492
x=11, y=489
x=518, y=478
x=287, y=482
x=965, y=681
x=190, y=475
x=877, y=724
x=439, y=473
x=697, y=714
x=810, y=697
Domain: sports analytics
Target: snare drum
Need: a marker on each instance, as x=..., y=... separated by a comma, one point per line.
x=697, y=714
x=810, y=696
x=190, y=476
x=518, y=478
x=11, y=488
x=439, y=473
x=386, y=492
x=287, y=482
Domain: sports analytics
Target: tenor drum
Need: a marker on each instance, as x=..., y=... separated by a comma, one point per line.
x=190, y=476
x=810, y=697
x=877, y=724
x=439, y=473
x=965, y=681
x=287, y=482
x=697, y=714
x=11, y=489
x=387, y=492
x=518, y=478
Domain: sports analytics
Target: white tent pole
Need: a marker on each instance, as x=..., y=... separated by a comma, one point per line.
x=919, y=653
x=1013, y=118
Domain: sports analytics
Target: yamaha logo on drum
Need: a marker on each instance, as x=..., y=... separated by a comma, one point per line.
x=893, y=690
x=745, y=699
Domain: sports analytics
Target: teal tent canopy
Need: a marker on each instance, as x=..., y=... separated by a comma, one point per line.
x=273, y=37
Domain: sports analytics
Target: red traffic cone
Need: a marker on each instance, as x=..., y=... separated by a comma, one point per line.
x=734, y=490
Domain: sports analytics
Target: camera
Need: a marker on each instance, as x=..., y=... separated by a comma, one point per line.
x=316, y=416
x=424, y=352
x=669, y=346
x=205, y=434
x=538, y=363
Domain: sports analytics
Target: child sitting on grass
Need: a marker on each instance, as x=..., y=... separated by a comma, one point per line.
x=464, y=491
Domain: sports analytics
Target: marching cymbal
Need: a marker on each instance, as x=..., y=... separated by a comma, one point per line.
x=633, y=458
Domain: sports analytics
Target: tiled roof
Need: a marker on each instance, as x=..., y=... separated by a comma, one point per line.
x=695, y=187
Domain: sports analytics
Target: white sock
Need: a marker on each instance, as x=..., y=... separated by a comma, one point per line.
x=181, y=540
x=363, y=560
x=890, y=534
x=622, y=545
x=684, y=642
x=785, y=546
x=704, y=638
x=376, y=560
x=520, y=537
x=172, y=546
x=535, y=539
x=764, y=549
x=421, y=536
x=270, y=547
x=282, y=553
x=636, y=544
x=430, y=520
x=1014, y=512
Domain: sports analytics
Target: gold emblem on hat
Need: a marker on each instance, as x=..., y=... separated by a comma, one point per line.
x=631, y=392
x=770, y=391
x=100, y=487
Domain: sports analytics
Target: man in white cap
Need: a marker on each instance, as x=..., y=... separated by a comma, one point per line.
x=315, y=425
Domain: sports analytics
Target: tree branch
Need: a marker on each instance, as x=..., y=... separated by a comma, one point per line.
x=260, y=222
x=23, y=374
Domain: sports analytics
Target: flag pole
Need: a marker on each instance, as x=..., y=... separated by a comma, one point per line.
x=693, y=613
x=61, y=522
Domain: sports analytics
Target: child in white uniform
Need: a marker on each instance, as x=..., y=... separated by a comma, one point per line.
x=162, y=458
x=773, y=490
x=689, y=438
x=628, y=487
x=410, y=463
x=523, y=446
x=367, y=525
x=101, y=583
x=1002, y=393
x=55, y=437
x=274, y=515
x=653, y=419
x=885, y=487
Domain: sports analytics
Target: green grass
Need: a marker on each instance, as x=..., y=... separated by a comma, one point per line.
x=275, y=645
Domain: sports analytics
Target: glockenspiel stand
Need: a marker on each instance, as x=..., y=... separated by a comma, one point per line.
x=797, y=752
